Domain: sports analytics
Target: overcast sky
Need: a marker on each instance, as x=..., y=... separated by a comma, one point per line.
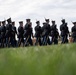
x=19, y=10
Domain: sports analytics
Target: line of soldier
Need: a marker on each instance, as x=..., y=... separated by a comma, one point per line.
x=24, y=34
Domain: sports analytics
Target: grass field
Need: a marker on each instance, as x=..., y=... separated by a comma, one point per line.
x=45, y=60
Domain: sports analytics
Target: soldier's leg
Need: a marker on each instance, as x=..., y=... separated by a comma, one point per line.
x=74, y=39
x=0, y=42
x=52, y=41
x=56, y=40
x=12, y=41
x=40, y=43
x=26, y=43
x=43, y=40
x=30, y=41
x=19, y=41
x=66, y=38
x=23, y=41
x=48, y=41
x=3, y=41
x=7, y=41
x=36, y=41
x=63, y=39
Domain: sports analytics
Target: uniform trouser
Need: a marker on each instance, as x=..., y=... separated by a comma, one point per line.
x=64, y=39
x=28, y=41
x=20, y=40
x=48, y=41
x=38, y=40
x=2, y=42
x=74, y=39
x=7, y=41
x=14, y=42
x=55, y=40
x=44, y=40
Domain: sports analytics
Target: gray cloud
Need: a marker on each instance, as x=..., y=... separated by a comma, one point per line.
x=38, y=9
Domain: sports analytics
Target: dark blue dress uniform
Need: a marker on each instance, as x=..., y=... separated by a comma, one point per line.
x=14, y=41
x=38, y=33
x=64, y=32
x=46, y=29
x=20, y=33
x=74, y=32
x=54, y=33
x=9, y=32
x=28, y=33
x=46, y=33
x=0, y=33
x=3, y=32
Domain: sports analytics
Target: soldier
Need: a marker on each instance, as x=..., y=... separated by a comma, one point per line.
x=3, y=32
x=46, y=32
x=38, y=32
x=9, y=32
x=67, y=32
x=28, y=32
x=74, y=32
x=14, y=34
x=64, y=31
x=43, y=34
x=20, y=33
x=54, y=33
x=0, y=33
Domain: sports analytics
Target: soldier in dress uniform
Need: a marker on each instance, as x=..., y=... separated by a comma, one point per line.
x=14, y=34
x=28, y=32
x=38, y=33
x=20, y=33
x=54, y=33
x=64, y=31
x=73, y=30
x=3, y=32
x=46, y=29
x=9, y=33
x=0, y=33
x=46, y=32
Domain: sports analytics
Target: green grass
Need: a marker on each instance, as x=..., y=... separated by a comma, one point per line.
x=45, y=60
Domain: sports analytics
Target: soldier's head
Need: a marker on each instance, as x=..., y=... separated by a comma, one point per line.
x=44, y=23
x=9, y=20
x=13, y=23
x=47, y=20
x=38, y=22
x=53, y=22
x=3, y=23
x=28, y=20
x=74, y=23
x=21, y=23
x=63, y=21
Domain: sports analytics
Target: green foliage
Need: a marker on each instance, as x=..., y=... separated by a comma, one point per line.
x=45, y=60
